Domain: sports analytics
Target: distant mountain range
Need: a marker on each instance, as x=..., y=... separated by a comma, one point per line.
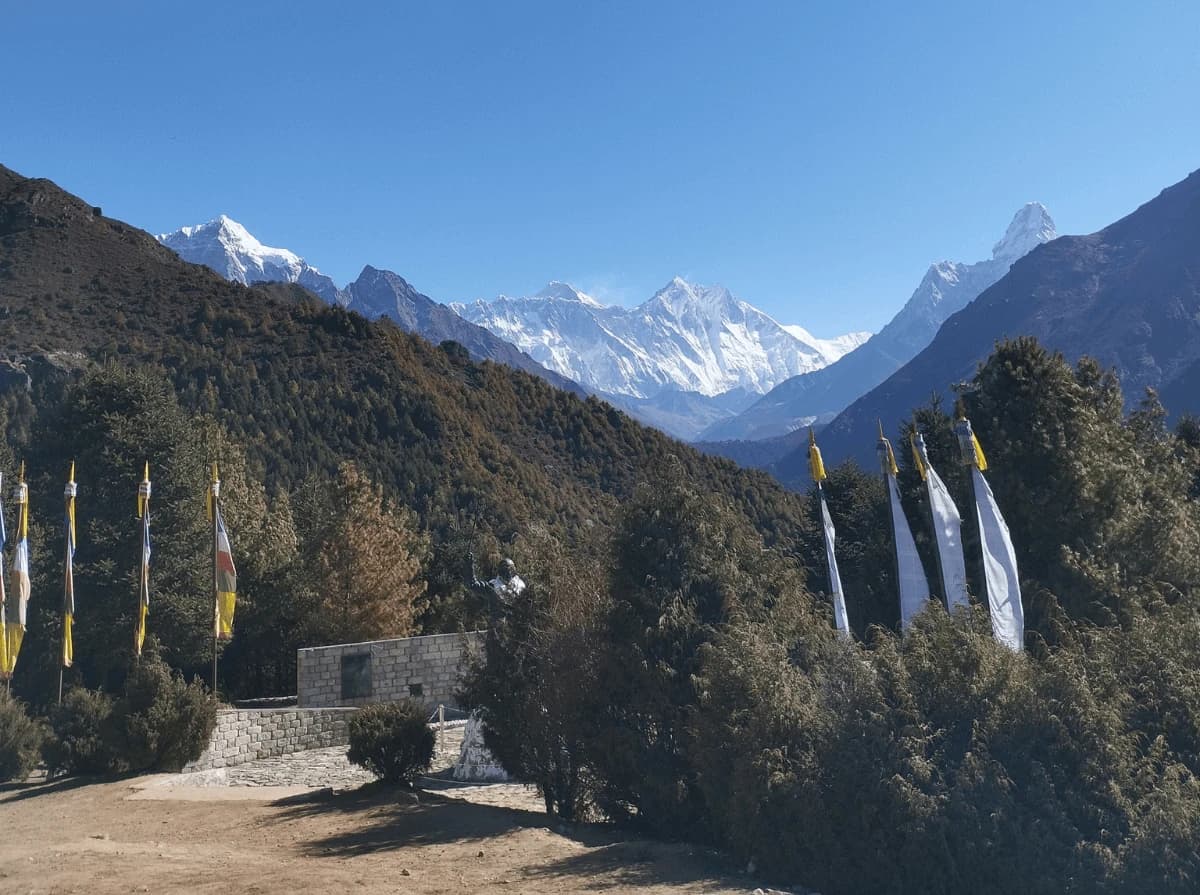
x=689, y=356
x=947, y=287
x=686, y=338
x=473, y=450
x=1128, y=295
x=225, y=246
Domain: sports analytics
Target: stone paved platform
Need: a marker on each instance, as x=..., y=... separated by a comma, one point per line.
x=329, y=768
x=317, y=768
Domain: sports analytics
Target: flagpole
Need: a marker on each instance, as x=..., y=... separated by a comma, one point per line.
x=816, y=466
x=966, y=449
x=881, y=453
x=3, y=594
x=923, y=472
x=68, y=609
x=216, y=496
x=66, y=568
x=21, y=556
x=145, y=488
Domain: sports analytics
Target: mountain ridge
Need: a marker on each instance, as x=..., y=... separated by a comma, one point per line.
x=685, y=337
x=304, y=385
x=1127, y=295
x=946, y=287
x=226, y=247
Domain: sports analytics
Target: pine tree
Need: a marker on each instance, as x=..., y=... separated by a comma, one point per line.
x=367, y=556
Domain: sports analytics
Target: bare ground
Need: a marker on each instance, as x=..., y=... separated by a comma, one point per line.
x=135, y=835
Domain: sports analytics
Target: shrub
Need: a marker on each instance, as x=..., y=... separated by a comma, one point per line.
x=82, y=735
x=393, y=741
x=162, y=722
x=20, y=740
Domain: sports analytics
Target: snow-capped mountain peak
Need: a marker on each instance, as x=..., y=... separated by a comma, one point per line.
x=1030, y=227
x=232, y=251
x=685, y=337
x=947, y=287
x=679, y=297
x=245, y=254
x=566, y=292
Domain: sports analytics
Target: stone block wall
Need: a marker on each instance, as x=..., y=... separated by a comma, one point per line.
x=427, y=669
x=243, y=735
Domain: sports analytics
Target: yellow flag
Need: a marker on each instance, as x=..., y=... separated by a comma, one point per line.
x=14, y=629
x=980, y=459
x=224, y=573
x=815, y=464
x=3, y=627
x=918, y=460
x=143, y=502
x=968, y=444
x=68, y=644
x=887, y=459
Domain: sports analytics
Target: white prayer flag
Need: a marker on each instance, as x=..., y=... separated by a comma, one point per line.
x=999, y=568
x=914, y=586
x=835, y=579
x=947, y=528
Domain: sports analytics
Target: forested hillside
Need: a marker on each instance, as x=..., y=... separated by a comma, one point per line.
x=303, y=385
x=285, y=389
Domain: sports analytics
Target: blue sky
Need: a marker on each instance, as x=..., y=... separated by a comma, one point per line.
x=814, y=158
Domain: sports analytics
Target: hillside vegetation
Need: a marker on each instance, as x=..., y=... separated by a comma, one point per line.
x=288, y=389
x=697, y=689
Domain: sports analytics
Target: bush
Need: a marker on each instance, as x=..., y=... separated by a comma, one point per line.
x=82, y=735
x=20, y=740
x=393, y=741
x=162, y=722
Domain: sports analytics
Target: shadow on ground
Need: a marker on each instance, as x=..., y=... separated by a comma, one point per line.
x=19, y=792
x=639, y=863
x=395, y=818
x=392, y=818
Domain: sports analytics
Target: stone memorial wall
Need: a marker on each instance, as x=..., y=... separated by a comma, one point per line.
x=427, y=669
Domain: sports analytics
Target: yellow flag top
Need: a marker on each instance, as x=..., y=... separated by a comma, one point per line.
x=968, y=444
x=214, y=492
x=143, y=495
x=21, y=496
x=918, y=451
x=69, y=493
x=887, y=459
x=815, y=464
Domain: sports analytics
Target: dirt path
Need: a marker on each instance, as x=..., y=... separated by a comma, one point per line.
x=109, y=837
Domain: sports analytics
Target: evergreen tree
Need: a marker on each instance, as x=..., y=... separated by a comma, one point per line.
x=366, y=557
x=685, y=564
x=111, y=422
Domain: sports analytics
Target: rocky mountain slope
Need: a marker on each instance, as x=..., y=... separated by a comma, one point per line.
x=303, y=385
x=947, y=287
x=225, y=246
x=1128, y=295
